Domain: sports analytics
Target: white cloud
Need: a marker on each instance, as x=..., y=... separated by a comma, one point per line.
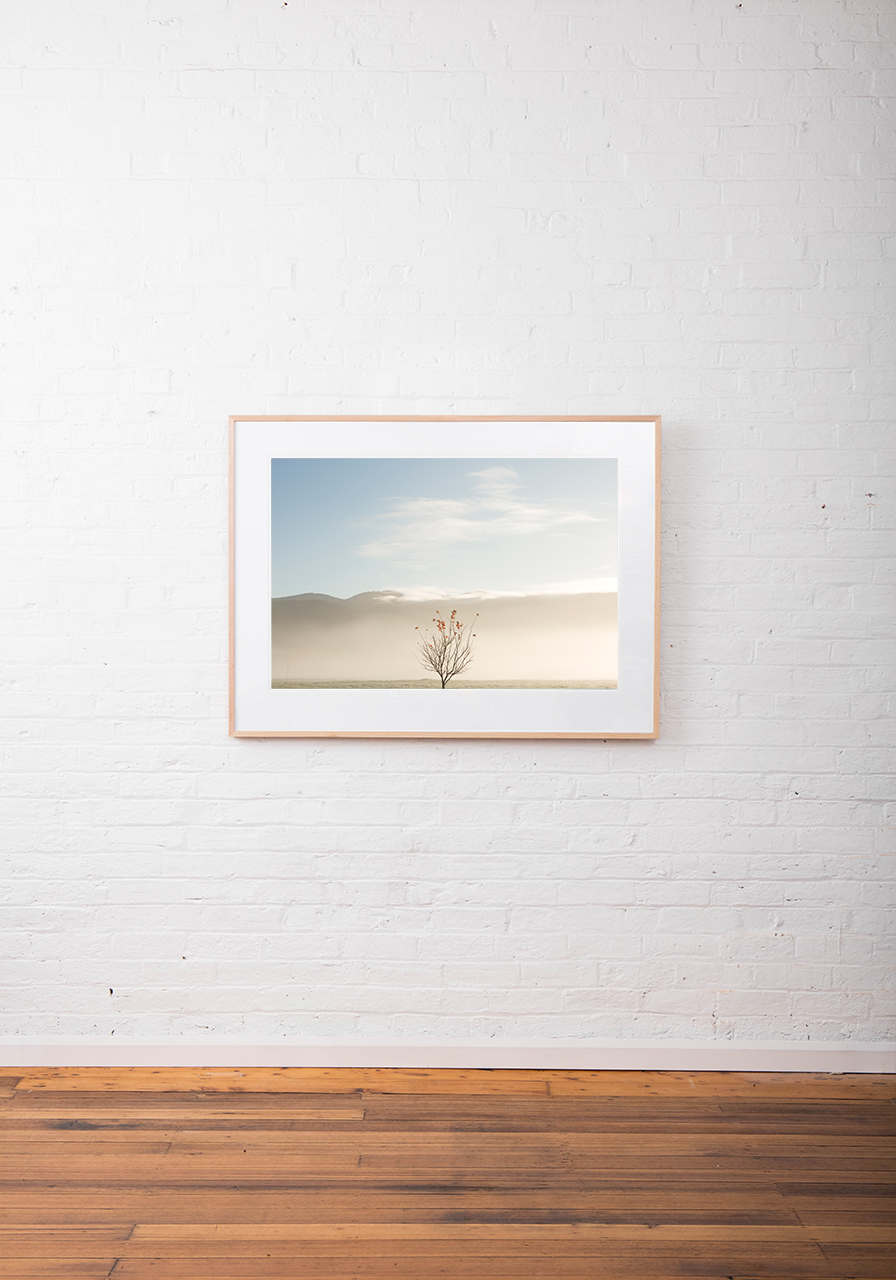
x=579, y=586
x=493, y=510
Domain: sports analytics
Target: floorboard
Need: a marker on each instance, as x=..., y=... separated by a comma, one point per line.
x=183, y=1174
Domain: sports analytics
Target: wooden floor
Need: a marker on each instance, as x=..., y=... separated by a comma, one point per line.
x=217, y=1174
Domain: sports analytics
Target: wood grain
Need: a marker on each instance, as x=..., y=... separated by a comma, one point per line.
x=592, y=1084
x=239, y=1175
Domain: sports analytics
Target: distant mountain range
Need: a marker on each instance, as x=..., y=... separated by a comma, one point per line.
x=371, y=636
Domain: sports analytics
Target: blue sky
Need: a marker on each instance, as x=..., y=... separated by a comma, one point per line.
x=340, y=526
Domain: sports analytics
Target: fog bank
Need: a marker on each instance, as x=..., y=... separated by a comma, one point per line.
x=371, y=637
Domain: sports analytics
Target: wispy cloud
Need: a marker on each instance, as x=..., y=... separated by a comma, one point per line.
x=577, y=587
x=494, y=509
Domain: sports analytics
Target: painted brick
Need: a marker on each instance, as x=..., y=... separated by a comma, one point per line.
x=568, y=206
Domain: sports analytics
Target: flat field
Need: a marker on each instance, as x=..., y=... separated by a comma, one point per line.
x=434, y=684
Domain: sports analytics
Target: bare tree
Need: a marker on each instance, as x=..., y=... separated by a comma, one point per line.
x=448, y=650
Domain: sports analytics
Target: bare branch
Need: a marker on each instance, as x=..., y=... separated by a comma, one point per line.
x=448, y=650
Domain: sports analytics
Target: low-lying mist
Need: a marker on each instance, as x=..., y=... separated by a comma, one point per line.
x=551, y=638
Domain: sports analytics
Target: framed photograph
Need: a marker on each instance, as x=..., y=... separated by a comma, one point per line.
x=450, y=577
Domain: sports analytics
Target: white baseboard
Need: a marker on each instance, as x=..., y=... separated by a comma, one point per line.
x=533, y=1054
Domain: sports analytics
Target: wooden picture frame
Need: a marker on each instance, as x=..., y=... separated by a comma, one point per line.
x=508, y=491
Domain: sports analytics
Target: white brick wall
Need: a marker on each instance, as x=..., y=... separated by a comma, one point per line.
x=497, y=206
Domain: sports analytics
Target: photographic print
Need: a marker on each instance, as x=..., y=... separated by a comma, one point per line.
x=443, y=573
x=444, y=577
